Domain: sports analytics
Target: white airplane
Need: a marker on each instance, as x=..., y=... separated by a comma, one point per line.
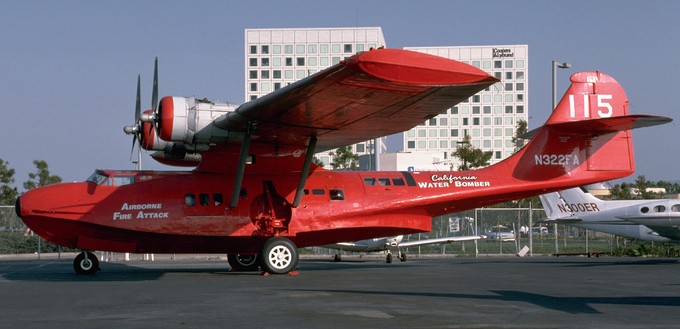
x=388, y=244
x=649, y=220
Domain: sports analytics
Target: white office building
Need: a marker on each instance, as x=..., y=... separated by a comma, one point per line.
x=275, y=58
x=490, y=117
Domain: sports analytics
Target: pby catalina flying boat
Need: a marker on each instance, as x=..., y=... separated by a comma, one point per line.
x=256, y=195
x=649, y=220
x=387, y=244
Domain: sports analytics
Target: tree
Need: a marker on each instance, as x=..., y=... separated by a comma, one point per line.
x=521, y=130
x=343, y=158
x=7, y=193
x=42, y=177
x=471, y=156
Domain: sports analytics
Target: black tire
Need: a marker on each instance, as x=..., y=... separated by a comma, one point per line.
x=243, y=262
x=388, y=258
x=402, y=257
x=86, y=265
x=279, y=256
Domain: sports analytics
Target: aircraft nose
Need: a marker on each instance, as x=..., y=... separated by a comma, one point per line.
x=17, y=207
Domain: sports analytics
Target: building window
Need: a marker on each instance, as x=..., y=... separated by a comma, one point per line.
x=277, y=74
x=508, y=64
x=300, y=49
x=288, y=49
x=264, y=74
x=411, y=144
x=311, y=49
x=289, y=61
x=509, y=86
x=520, y=108
x=348, y=48
x=265, y=49
x=300, y=61
x=432, y=122
x=265, y=61
x=335, y=48
x=276, y=49
x=519, y=86
x=475, y=121
x=508, y=109
x=498, y=64
x=323, y=48
x=252, y=61
x=253, y=49
x=508, y=75
x=253, y=74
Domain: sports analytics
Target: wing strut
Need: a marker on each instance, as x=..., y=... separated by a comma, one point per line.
x=241, y=168
x=305, y=170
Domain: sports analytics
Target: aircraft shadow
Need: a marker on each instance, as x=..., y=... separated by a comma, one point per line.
x=571, y=305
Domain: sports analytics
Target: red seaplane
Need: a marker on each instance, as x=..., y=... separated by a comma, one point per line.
x=256, y=195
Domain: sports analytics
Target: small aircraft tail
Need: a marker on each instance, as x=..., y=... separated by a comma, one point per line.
x=569, y=205
x=587, y=138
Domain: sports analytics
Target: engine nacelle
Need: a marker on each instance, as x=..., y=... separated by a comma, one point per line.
x=189, y=121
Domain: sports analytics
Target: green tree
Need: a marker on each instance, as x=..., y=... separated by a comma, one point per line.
x=519, y=131
x=42, y=177
x=343, y=158
x=8, y=193
x=471, y=156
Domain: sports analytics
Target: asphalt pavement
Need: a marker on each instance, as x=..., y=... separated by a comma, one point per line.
x=485, y=292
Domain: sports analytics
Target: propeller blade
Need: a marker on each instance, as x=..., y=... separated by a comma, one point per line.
x=138, y=104
x=154, y=95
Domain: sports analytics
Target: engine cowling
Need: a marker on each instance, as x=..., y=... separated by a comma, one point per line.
x=189, y=121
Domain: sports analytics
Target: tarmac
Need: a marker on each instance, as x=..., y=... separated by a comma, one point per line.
x=199, y=291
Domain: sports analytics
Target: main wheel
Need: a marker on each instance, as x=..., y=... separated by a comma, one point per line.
x=279, y=256
x=243, y=262
x=86, y=263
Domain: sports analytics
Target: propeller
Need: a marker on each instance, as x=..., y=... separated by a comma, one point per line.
x=136, y=129
x=150, y=117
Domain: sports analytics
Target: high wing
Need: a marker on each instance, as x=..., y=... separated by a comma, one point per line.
x=369, y=95
x=416, y=243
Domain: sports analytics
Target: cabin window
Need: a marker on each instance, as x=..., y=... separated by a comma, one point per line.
x=384, y=181
x=204, y=199
x=644, y=210
x=676, y=208
x=218, y=199
x=369, y=181
x=398, y=182
x=660, y=208
x=190, y=199
x=336, y=194
x=318, y=191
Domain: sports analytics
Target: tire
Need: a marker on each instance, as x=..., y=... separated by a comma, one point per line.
x=243, y=262
x=279, y=256
x=388, y=258
x=86, y=265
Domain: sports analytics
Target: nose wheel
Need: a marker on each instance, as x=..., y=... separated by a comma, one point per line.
x=86, y=263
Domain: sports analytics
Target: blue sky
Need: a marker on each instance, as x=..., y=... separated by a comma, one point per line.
x=68, y=68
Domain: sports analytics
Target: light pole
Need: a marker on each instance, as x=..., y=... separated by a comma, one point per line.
x=555, y=66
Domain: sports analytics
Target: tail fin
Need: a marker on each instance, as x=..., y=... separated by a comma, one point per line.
x=570, y=205
x=587, y=138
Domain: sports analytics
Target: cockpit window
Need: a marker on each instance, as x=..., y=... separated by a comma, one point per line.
x=123, y=180
x=97, y=178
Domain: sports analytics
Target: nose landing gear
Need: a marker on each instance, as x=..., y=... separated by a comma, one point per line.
x=86, y=263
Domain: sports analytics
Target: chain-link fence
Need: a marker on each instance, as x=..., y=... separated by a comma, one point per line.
x=523, y=223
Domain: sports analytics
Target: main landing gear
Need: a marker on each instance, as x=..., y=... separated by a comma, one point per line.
x=86, y=263
x=279, y=255
x=401, y=256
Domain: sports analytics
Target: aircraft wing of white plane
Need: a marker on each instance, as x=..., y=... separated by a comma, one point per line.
x=578, y=208
x=394, y=242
